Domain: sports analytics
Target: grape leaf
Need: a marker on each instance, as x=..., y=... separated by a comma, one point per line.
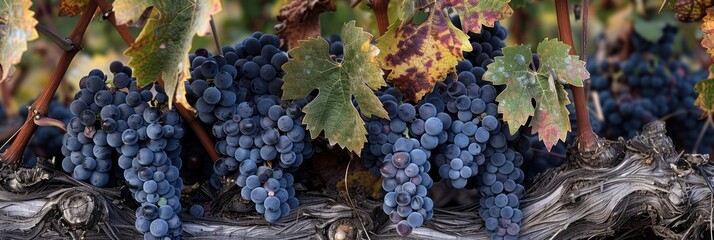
x=17, y=27
x=705, y=100
x=651, y=30
x=708, y=30
x=550, y=115
x=418, y=55
x=161, y=48
x=357, y=75
x=474, y=13
x=301, y=20
x=71, y=7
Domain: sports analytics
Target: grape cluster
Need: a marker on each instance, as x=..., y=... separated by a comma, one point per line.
x=270, y=189
x=406, y=180
x=686, y=125
x=260, y=137
x=119, y=120
x=653, y=84
x=46, y=142
x=458, y=129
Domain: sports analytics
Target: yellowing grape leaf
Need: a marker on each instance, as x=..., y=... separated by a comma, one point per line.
x=474, y=13
x=550, y=115
x=71, y=7
x=421, y=54
x=162, y=46
x=17, y=27
x=708, y=30
x=705, y=100
x=357, y=75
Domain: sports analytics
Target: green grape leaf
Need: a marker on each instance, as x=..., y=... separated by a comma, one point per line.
x=705, y=100
x=418, y=55
x=71, y=7
x=474, y=13
x=357, y=75
x=550, y=114
x=649, y=30
x=162, y=46
x=17, y=27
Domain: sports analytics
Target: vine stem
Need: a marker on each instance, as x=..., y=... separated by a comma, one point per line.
x=380, y=12
x=39, y=107
x=187, y=115
x=587, y=140
x=216, y=38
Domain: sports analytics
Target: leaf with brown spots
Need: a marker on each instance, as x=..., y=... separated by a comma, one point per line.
x=474, y=13
x=71, y=7
x=550, y=115
x=421, y=54
x=332, y=111
x=300, y=20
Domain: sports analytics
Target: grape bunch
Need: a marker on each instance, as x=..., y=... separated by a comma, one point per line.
x=686, y=125
x=406, y=180
x=271, y=190
x=119, y=120
x=458, y=129
x=260, y=137
x=653, y=84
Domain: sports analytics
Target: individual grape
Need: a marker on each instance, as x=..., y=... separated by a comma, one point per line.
x=196, y=211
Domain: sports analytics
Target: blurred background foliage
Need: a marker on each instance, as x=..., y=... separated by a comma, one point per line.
x=532, y=21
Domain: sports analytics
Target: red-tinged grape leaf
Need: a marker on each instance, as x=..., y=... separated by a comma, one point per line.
x=550, y=114
x=474, y=13
x=50, y=122
x=300, y=20
x=161, y=48
x=17, y=27
x=705, y=100
x=71, y=7
x=708, y=30
x=419, y=55
x=357, y=75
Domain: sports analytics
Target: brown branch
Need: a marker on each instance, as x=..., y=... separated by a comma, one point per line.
x=584, y=41
x=587, y=140
x=39, y=108
x=187, y=115
x=380, y=12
